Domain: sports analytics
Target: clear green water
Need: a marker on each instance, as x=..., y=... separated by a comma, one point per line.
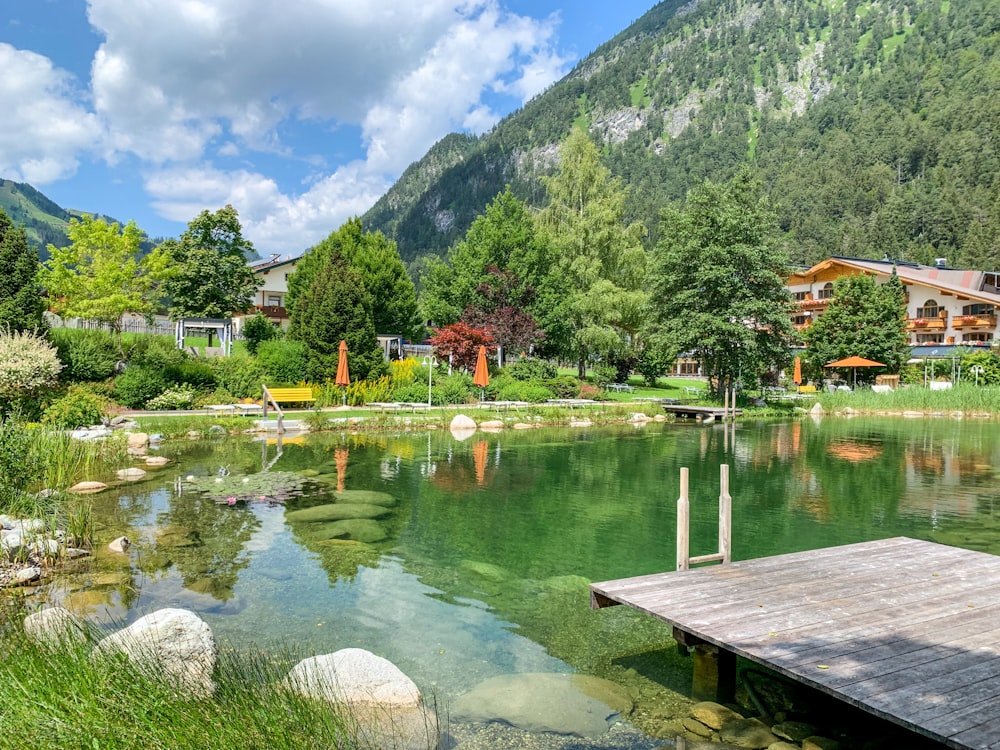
x=492, y=541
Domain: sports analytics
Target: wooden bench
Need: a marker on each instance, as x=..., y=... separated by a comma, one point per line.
x=292, y=395
x=807, y=389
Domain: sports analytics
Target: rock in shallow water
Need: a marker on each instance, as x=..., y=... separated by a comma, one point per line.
x=577, y=705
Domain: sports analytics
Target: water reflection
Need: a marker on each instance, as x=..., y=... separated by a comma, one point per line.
x=463, y=560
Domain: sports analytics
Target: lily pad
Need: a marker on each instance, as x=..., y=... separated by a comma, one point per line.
x=266, y=487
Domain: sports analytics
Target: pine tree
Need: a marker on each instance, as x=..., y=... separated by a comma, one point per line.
x=21, y=304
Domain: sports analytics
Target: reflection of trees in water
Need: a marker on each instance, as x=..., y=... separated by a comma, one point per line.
x=204, y=542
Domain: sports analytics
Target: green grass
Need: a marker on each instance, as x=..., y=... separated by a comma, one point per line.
x=59, y=698
x=967, y=399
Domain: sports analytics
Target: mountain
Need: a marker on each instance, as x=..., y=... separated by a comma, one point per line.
x=873, y=125
x=44, y=221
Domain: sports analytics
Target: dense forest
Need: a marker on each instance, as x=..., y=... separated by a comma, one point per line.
x=872, y=126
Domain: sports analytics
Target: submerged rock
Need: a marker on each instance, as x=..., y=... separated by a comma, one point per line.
x=355, y=529
x=386, y=704
x=578, y=705
x=337, y=512
x=85, y=488
x=366, y=497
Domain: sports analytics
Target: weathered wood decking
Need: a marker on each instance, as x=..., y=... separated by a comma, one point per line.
x=699, y=412
x=905, y=629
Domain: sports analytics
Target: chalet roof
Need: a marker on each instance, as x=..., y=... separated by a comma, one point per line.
x=273, y=262
x=949, y=281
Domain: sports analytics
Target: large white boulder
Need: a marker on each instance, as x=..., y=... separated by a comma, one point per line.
x=383, y=705
x=174, y=644
x=55, y=626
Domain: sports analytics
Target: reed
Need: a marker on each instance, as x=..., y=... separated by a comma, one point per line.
x=57, y=697
x=967, y=399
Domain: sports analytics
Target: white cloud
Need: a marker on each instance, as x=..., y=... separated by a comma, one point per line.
x=278, y=85
x=43, y=127
x=271, y=220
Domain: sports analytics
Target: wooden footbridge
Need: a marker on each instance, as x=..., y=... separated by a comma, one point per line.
x=905, y=629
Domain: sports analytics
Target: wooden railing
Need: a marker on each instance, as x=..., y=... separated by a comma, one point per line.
x=725, y=553
x=974, y=321
x=926, y=324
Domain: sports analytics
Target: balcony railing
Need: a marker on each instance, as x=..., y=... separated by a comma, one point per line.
x=974, y=321
x=272, y=311
x=926, y=324
x=813, y=304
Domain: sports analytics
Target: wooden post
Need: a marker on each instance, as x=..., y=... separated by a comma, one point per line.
x=683, y=521
x=725, y=516
x=724, y=552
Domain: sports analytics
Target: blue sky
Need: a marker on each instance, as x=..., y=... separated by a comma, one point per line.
x=300, y=113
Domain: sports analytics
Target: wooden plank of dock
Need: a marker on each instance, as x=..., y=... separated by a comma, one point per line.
x=905, y=629
x=690, y=411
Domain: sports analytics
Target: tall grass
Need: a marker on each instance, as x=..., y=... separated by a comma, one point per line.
x=66, y=461
x=968, y=399
x=58, y=697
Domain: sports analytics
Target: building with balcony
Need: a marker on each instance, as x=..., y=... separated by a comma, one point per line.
x=945, y=307
x=270, y=298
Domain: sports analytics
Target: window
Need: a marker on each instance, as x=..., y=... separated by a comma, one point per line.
x=826, y=292
x=930, y=338
x=274, y=300
x=979, y=309
x=977, y=336
x=802, y=320
x=930, y=309
x=687, y=368
x=799, y=296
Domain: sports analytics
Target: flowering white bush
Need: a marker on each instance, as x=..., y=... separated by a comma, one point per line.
x=27, y=362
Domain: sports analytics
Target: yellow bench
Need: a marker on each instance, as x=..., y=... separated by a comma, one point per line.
x=289, y=395
x=807, y=389
x=276, y=396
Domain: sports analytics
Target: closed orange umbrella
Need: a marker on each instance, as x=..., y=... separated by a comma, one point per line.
x=341, y=458
x=482, y=374
x=343, y=376
x=797, y=377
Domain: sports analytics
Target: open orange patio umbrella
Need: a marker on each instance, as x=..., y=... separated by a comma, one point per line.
x=343, y=376
x=482, y=374
x=854, y=363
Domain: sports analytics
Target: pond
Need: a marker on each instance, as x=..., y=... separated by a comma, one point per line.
x=464, y=560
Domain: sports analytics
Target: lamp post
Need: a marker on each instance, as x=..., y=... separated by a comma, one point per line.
x=430, y=363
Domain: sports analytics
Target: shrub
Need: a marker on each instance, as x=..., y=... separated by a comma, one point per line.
x=564, y=386
x=257, y=330
x=589, y=391
x=604, y=374
x=283, y=361
x=196, y=374
x=155, y=353
x=519, y=390
x=413, y=392
x=364, y=392
x=652, y=364
x=454, y=389
x=27, y=364
x=403, y=371
x=86, y=355
x=181, y=397
x=19, y=465
x=137, y=385
x=532, y=368
x=240, y=375
x=80, y=407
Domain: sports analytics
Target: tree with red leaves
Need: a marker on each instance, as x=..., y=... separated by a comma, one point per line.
x=503, y=312
x=461, y=343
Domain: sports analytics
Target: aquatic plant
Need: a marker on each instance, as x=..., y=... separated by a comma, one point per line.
x=266, y=487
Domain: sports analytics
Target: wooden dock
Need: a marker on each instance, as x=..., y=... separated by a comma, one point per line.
x=904, y=629
x=686, y=411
